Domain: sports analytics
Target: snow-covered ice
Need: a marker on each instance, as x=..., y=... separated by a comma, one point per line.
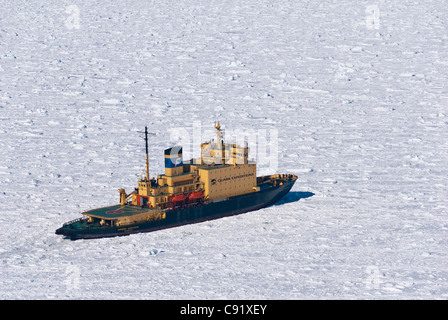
x=357, y=91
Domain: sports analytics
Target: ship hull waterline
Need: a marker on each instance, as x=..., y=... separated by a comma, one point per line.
x=189, y=215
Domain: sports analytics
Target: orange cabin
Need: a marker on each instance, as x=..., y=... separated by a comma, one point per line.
x=196, y=195
x=179, y=198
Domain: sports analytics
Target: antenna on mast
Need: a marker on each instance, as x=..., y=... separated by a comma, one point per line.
x=146, y=143
x=219, y=133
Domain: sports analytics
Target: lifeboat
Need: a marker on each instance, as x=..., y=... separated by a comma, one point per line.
x=195, y=195
x=179, y=198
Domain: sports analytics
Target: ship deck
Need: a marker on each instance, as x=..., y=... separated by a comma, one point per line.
x=116, y=212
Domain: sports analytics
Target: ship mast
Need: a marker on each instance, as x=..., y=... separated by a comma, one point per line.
x=219, y=134
x=147, y=161
x=219, y=143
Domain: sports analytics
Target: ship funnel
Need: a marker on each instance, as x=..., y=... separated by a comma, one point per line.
x=173, y=161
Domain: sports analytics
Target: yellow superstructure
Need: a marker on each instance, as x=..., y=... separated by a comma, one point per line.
x=223, y=170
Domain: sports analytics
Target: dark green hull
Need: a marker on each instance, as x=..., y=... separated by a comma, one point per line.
x=267, y=195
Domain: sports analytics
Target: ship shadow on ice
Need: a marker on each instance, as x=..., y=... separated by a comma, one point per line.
x=293, y=196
